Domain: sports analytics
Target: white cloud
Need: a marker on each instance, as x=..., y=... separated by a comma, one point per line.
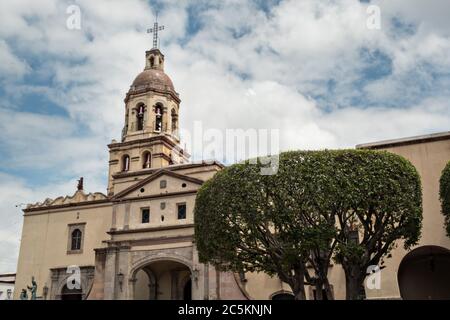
x=47, y=142
x=11, y=66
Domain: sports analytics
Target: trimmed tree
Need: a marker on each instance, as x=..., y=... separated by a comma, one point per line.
x=309, y=212
x=379, y=202
x=372, y=199
x=444, y=195
x=244, y=224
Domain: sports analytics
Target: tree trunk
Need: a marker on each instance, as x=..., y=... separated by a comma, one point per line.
x=353, y=283
x=299, y=291
x=298, y=282
x=321, y=263
x=328, y=290
x=323, y=290
x=318, y=287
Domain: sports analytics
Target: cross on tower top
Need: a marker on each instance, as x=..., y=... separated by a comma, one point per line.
x=155, y=30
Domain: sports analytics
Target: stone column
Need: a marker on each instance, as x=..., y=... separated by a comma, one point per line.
x=97, y=291
x=124, y=292
x=114, y=217
x=165, y=119
x=126, y=222
x=213, y=283
x=110, y=273
x=205, y=278
x=199, y=277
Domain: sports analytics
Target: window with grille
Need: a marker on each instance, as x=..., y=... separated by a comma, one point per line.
x=145, y=215
x=181, y=211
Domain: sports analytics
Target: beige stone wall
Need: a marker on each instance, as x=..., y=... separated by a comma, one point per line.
x=170, y=212
x=128, y=212
x=45, y=237
x=260, y=286
x=429, y=158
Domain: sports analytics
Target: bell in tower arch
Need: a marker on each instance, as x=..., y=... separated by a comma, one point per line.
x=140, y=117
x=158, y=118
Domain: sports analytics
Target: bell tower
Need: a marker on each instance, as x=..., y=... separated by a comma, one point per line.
x=150, y=138
x=151, y=104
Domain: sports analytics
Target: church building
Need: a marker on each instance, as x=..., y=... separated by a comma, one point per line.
x=136, y=241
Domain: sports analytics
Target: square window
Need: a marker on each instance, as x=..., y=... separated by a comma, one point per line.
x=163, y=184
x=145, y=215
x=181, y=211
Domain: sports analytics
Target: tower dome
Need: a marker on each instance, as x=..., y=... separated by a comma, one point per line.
x=153, y=79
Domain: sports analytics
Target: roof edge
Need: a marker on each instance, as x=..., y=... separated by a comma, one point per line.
x=405, y=141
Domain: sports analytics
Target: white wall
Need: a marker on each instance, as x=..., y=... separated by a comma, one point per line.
x=4, y=287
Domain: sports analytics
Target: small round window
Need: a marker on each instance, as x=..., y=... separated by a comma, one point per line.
x=183, y=185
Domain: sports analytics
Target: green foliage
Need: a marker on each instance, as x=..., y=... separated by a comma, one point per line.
x=245, y=221
x=444, y=195
x=380, y=196
x=236, y=215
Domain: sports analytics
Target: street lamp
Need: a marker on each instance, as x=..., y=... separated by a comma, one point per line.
x=195, y=273
x=120, y=277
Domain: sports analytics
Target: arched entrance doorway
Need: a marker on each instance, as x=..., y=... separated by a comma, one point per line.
x=163, y=280
x=71, y=294
x=424, y=274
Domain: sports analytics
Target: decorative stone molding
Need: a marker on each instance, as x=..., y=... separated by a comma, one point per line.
x=78, y=197
x=143, y=258
x=60, y=277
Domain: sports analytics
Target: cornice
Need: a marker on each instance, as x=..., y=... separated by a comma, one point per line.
x=150, y=229
x=154, y=176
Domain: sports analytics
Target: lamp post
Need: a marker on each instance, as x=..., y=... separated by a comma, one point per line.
x=194, y=275
x=120, y=277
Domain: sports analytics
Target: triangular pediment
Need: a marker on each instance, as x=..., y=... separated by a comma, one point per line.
x=161, y=182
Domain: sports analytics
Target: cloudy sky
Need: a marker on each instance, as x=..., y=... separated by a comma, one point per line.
x=310, y=68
